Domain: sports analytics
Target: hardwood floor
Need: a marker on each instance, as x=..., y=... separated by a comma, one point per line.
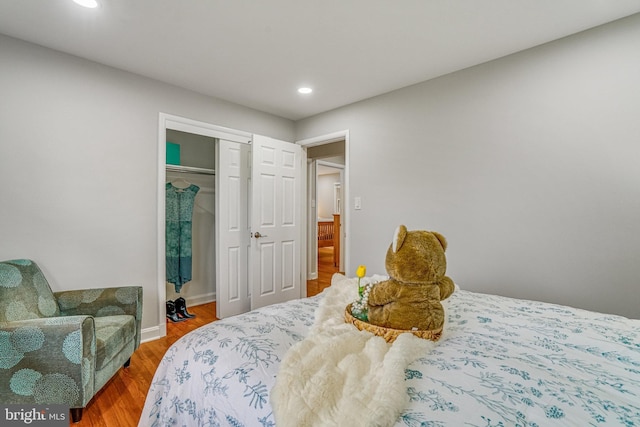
x=326, y=269
x=120, y=402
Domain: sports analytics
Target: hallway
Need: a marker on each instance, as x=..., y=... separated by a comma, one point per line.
x=326, y=270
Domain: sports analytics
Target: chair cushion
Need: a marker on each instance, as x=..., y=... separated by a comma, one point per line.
x=24, y=292
x=112, y=334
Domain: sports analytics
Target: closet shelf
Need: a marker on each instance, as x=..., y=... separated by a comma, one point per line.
x=190, y=169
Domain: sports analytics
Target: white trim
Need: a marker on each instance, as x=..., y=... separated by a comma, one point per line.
x=330, y=164
x=205, y=298
x=326, y=139
x=303, y=223
x=151, y=334
x=161, y=221
x=201, y=128
x=312, y=216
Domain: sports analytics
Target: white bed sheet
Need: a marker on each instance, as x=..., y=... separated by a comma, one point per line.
x=500, y=362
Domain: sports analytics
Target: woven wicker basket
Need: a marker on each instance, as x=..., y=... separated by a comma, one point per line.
x=388, y=334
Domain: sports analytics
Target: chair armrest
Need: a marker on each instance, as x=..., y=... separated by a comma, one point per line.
x=48, y=359
x=103, y=302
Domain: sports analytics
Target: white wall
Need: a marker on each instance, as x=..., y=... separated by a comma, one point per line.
x=78, y=162
x=326, y=185
x=527, y=164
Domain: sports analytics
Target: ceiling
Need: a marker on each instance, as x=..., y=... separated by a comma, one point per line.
x=257, y=53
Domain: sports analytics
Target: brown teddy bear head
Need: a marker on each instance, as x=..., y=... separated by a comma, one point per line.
x=416, y=256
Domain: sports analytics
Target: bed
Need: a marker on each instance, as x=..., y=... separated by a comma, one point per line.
x=499, y=362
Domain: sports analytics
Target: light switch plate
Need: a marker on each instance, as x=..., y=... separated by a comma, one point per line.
x=357, y=203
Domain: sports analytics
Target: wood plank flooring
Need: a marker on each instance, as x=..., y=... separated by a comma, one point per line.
x=120, y=402
x=326, y=269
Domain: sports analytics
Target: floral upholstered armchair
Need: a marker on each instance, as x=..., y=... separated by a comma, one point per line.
x=62, y=347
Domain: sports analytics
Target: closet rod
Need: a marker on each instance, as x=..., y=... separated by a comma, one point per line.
x=190, y=169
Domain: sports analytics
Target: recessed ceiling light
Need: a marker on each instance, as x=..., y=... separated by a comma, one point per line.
x=305, y=90
x=87, y=3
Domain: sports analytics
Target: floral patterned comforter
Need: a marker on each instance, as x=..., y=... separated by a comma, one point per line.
x=500, y=362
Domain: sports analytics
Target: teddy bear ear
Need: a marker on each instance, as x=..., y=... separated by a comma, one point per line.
x=441, y=239
x=398, y=238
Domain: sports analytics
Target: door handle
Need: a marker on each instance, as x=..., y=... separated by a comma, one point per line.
x=257, y=235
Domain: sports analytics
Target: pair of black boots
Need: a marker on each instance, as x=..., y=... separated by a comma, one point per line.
x=177, y=310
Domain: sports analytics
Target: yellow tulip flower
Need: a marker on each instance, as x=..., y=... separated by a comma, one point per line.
x=360, y=272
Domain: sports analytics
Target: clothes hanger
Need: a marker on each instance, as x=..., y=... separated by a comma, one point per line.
x=181, y=183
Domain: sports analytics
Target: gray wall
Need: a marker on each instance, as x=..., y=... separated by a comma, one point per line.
x=529, y=165
x=79, y=165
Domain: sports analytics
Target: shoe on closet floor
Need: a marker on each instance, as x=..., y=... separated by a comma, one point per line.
x=172, y=314
x=181, y=309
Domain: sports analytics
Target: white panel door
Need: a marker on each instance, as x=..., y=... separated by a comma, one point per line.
x=277, y=200
x=232, y=228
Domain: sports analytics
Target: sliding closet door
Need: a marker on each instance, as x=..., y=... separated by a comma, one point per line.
x=232, y=229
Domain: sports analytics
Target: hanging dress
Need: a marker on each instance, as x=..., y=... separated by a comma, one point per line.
x=179, y=221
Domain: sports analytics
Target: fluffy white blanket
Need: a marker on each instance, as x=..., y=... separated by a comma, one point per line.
x=340, y=376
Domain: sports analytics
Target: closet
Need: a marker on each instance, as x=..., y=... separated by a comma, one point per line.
x=247, y=223
x=191, y=161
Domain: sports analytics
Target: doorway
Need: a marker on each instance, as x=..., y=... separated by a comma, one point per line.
x=193, y=163
x=327, y=155
x=167, y=124
x=329, y=183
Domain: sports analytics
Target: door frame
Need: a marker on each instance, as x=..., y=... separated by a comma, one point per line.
x=183, y=124
x=342, y=135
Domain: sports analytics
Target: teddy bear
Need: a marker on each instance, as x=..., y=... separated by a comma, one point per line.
x=410, y=298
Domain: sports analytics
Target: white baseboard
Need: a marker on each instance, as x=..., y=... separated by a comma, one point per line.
x=201, y=299
x=151, y=334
